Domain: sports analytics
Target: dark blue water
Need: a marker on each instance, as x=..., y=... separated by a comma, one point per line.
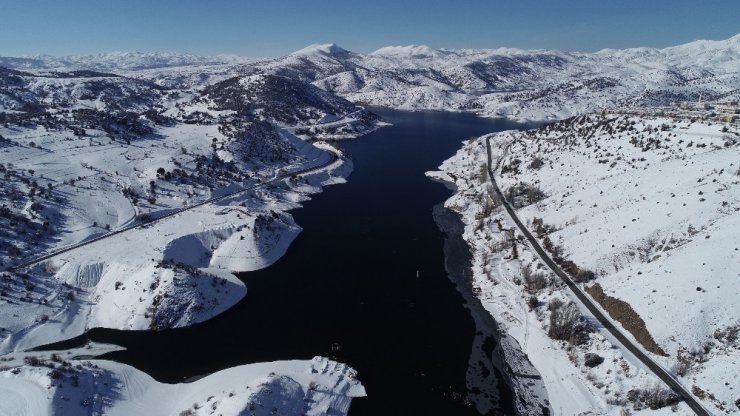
x=350, y=280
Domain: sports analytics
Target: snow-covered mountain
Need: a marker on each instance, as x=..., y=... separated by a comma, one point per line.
x=524, y=84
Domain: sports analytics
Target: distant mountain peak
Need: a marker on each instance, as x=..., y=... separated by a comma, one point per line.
x=328, y=49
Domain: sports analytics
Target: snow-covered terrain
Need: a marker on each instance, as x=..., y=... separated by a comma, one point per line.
x=503, y=82
x=114, y=156
x=179, y=171
x=142, y=201
x=522, y=84
x=68, y=382
x=117, y=61
x=645, y=208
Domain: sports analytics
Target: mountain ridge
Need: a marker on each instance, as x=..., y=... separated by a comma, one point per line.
x=172, y=58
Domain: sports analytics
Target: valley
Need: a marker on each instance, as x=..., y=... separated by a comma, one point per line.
x=144, y=193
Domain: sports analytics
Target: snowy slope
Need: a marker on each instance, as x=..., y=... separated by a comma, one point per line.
x=63, y=383
x=524, y=84
x=647, y=204
x=85, y=153
x=651, y=208
x=122, y=282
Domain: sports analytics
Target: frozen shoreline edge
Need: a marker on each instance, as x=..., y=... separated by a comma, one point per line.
x=507, y=358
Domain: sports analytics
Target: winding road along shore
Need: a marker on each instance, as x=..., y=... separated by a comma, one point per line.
x=588, y=302
x=308, y=169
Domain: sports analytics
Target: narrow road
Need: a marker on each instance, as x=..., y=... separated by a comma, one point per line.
x=589, y=303
x=75, y=246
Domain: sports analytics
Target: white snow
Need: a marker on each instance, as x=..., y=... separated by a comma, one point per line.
x=323, y=49
x=655, y=222
x=62, y=383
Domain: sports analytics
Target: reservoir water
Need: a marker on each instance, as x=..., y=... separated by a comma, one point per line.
x=364, y=283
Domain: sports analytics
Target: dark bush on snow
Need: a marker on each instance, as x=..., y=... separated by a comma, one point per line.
x=654, y=397
x=536, y=163
x=584, y=275
x=523, y=194
x=567, y=324
x=592, y=360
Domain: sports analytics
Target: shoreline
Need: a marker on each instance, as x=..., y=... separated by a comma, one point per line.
x=179, y=242
x=505, y=362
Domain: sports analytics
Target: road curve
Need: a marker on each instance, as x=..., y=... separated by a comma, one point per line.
x=75, y=246
x=589, y=303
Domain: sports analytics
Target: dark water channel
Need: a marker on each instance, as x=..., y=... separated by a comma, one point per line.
x=366, y=275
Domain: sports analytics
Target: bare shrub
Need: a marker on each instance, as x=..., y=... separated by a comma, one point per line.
x=569, y=267
x=698, y=392
x=584, y=275
x=523, y=194
x=511, y=167
x=682, y=364
x=728, y=335
x=482, y=175
x=554, y=304
x=567, y=324
x=32, y=360
x=536, y=163
x=533, y=281
x=487, y=207
x=555, y=250
x=653, y=397
x=540, y=228
x=592, y=360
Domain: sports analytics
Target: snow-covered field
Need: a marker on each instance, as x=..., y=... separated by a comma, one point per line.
x=650, y=206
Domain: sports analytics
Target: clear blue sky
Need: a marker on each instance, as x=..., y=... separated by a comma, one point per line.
x=271, y=28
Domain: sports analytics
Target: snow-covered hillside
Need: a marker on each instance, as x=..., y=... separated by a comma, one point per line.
x=164, y=191
x=503, y=82
x=523, y=84
x=62, y=382
x=642, y=209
